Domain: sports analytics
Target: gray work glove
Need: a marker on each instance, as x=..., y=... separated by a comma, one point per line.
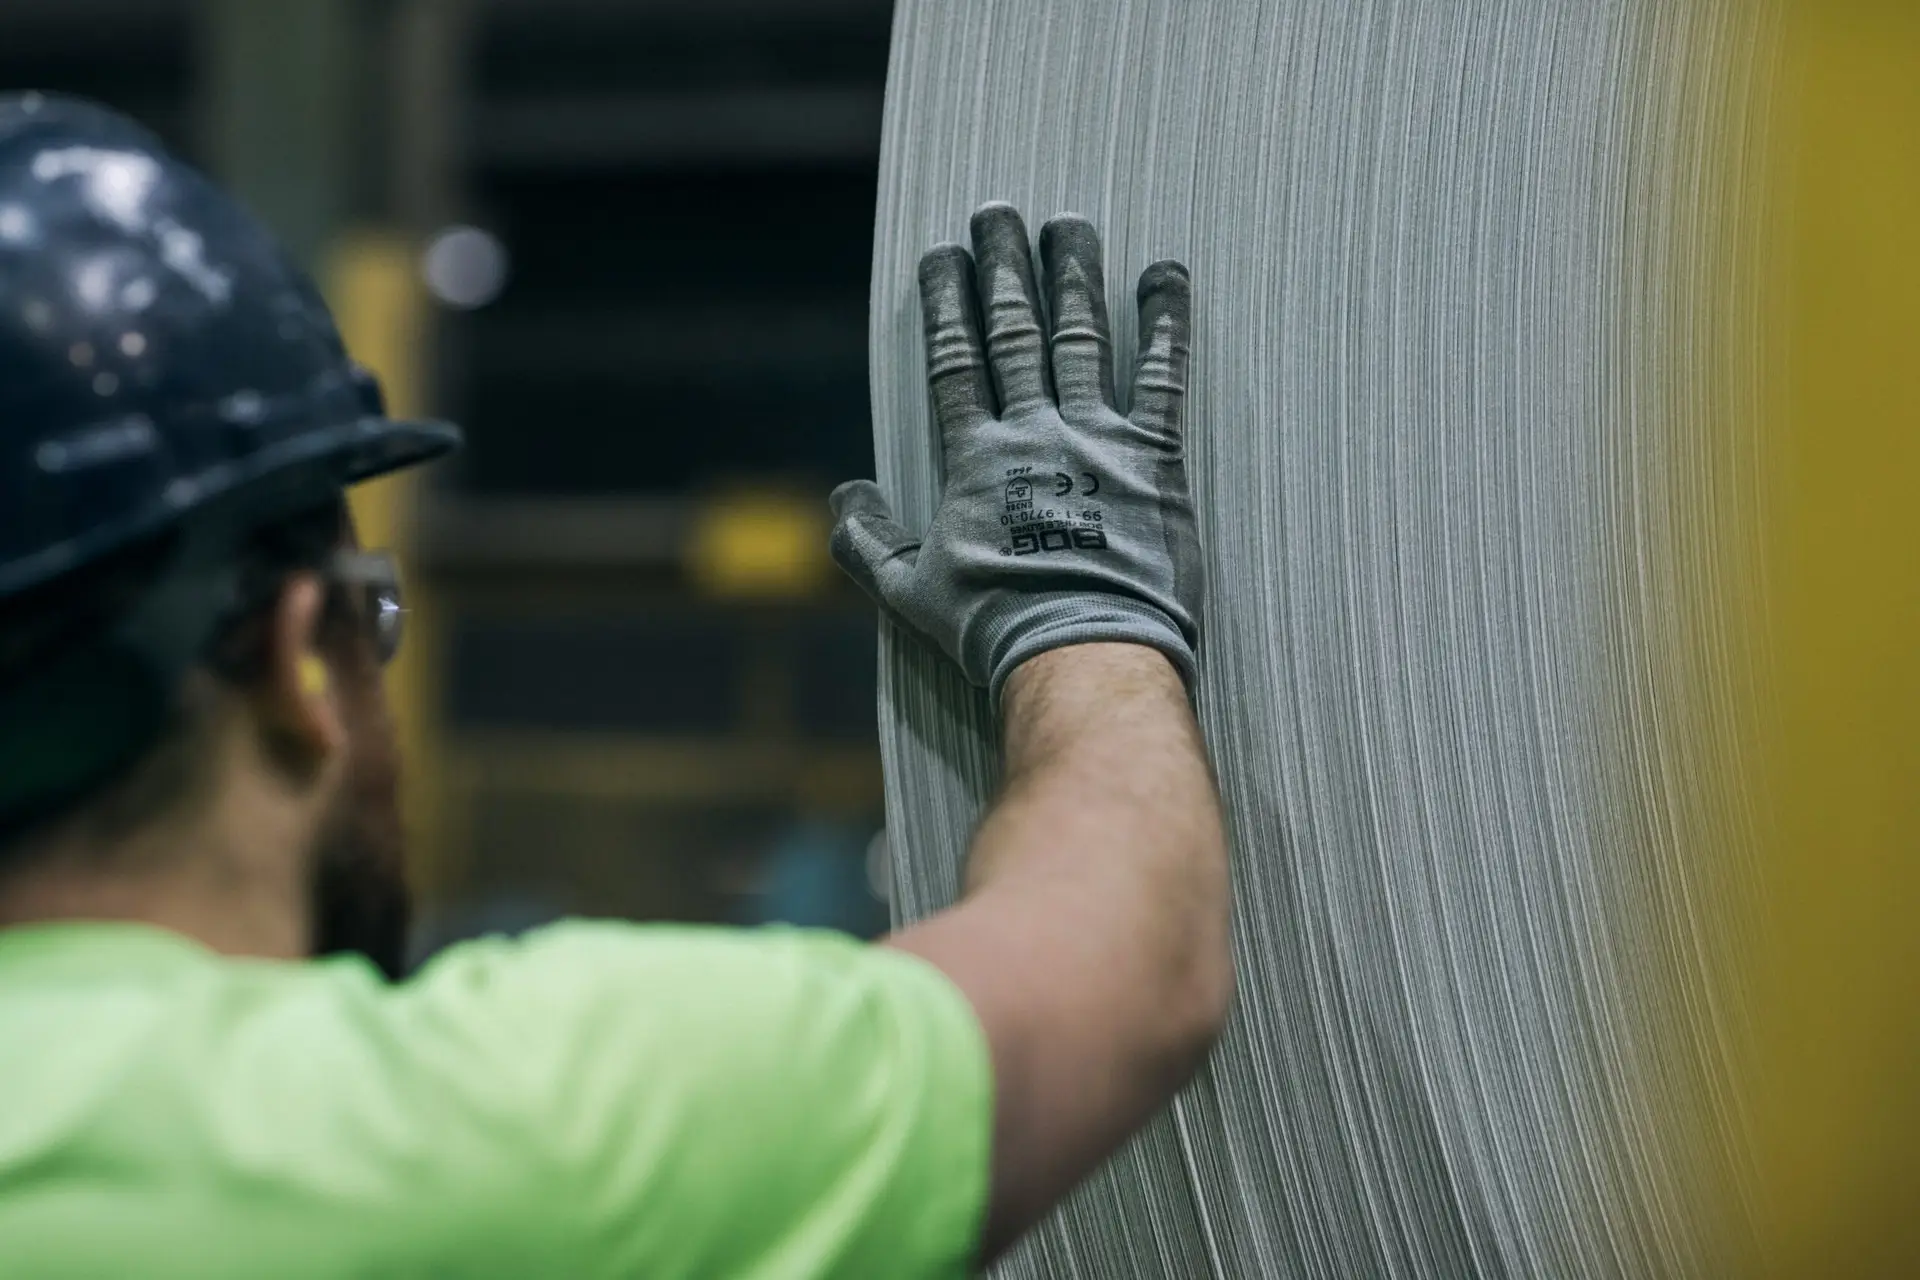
x=1062, y=521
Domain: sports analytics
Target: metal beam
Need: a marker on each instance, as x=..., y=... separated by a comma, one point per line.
x=281, y=83
x=733, y=126
x=769, y=340
x=429, y=60
x=704, y=11
x=465, y=535
x=104, y=17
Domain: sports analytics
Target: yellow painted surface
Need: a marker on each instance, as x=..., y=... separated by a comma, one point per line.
x=1837, y=1000
x=372, y=282
x=373, y=285
x=760, y=542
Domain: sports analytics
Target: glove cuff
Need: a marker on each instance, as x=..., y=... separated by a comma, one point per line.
x=1035, y=627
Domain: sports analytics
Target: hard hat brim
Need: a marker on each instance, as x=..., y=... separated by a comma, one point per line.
x=273, y=481
x=395, y=446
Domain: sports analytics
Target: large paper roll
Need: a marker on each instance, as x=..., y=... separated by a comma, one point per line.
x=1478, y=364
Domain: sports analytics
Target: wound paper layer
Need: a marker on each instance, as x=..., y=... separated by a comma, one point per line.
x=1465, y=277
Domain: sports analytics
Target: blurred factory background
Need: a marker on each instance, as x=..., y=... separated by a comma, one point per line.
x=625, y=243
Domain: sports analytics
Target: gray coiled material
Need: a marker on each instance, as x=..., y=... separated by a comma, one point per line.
x=1460, y=268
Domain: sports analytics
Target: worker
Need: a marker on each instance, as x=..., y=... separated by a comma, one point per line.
x=212, y=1063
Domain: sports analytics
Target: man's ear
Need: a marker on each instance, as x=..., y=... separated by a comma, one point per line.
x=297, y=695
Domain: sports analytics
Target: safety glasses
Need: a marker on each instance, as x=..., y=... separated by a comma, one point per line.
x=371, y=579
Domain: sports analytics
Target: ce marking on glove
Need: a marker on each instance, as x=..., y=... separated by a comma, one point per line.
x=1064, y=484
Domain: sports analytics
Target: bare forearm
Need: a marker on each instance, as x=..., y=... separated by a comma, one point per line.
x=1093, y=936
x=1109, y=805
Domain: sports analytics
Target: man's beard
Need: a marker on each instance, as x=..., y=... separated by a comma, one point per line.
x=361, y=902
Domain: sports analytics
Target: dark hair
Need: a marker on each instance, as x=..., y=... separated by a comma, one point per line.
x=299, y=544
x=39, y=627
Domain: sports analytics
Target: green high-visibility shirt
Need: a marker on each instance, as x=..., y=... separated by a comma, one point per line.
x=591, y=1100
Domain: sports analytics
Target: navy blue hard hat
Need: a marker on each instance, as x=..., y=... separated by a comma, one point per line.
x=160, y=353
x=169, y=377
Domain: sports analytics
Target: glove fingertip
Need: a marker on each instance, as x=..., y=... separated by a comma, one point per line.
x=1165, y=276
x=858, y=497
x=945, y=263
x=997, y=218
x=1068, y=233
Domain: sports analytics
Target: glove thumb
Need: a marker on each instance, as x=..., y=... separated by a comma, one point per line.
x=873, y=549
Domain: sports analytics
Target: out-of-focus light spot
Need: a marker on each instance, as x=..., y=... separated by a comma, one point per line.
x=116, y=183
x=133, y=344
x=248, y=408
x=759, y=542
x=16, y=224
x=93, y=283
x=465, y=267
x=185, y=251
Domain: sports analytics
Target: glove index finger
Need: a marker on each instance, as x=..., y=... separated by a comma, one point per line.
x=1166, y=341
x=957, y=372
